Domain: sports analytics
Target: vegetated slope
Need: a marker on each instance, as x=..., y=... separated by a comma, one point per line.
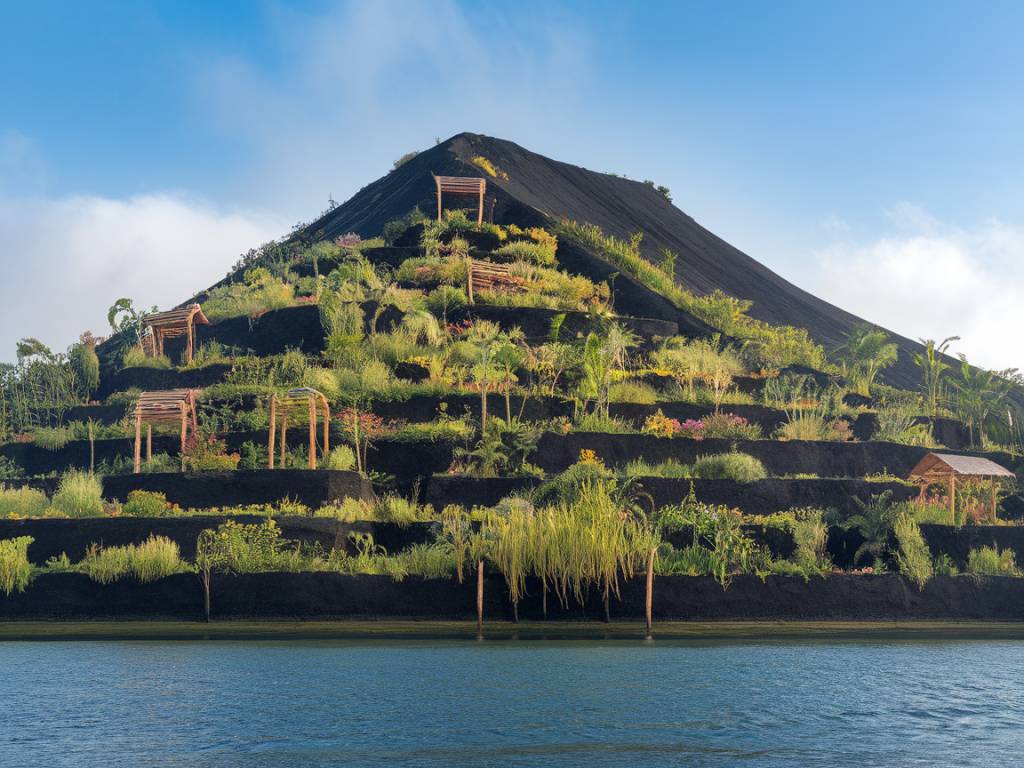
x=620, y=207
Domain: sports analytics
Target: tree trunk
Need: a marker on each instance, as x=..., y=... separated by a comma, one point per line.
x=607, y=609
x=515, y=612
x=544, y=598
x=649, y=598
x=205, y=578
x=480, y=596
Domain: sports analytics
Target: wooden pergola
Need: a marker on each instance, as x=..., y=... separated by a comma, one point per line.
x=462, y=185
x=946, y=468
x=172, y=324
x=303, y=402
x=172, y=406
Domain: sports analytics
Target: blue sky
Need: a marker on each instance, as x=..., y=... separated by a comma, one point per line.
x=869, y=152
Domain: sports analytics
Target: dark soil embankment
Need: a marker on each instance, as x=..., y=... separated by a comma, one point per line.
x=312, y=595
x=539, y=187
x=51, y=537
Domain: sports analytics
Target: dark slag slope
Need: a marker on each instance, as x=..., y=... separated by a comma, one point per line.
x=538, y=184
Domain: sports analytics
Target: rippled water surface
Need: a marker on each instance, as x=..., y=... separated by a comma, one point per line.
x=516, y=703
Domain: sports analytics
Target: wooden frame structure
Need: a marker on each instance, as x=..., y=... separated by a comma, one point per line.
x=945, y=468
x=303, y=401
x=172, y=324
x=487, y=276
x=462, y=185
x=172, y=406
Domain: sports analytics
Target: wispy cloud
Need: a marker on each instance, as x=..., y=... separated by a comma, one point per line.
x=359, y=84
x=931, y=280
x=66, y=260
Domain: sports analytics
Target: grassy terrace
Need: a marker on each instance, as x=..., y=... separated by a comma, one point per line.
x=570, y=434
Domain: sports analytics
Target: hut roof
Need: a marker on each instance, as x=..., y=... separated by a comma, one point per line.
x=945, y=464
x=177, y=317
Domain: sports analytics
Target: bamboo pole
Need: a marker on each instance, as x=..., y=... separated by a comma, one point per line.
x=184, y=434
x=480, y=208
x=273, y=429
x=138, y=443
x=438, y=182
x=480, y=596
x=327, y=429
x=993, y=490
x=149, y=444
x=649, y=597
x=951, y=488
x=188, y=340
x=312, y=433
x=284, y=439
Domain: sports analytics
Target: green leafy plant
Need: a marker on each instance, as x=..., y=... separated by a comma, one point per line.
x=79, y=495
x=22, y=502
x=740, y=467
x=912, y=555
x=15, y=569
x=145, y=504
x=991, y=561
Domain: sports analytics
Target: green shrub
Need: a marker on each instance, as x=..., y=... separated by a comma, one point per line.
x=445, y=299
x=134, y=357
x=740, y=467
x=145, y=504
x=340, y=458
x=430, y=561
x=944, y=566
x=810, y=537
x=86, y=362
x=22, y=502
x=668, y=468
x=52, y=438
x=596, y=422
x=729, y=426
x=79, y=495
x=523, y=250
x=912, y=555
x=632, y=392
x=991, y=561
x=260, y=292
x=15, y=569
x=153, y=559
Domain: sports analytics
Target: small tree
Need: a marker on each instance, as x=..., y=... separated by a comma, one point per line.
x=865, y=354
x=933, y=371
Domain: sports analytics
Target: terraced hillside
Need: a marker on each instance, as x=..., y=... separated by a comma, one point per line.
x=516, y=400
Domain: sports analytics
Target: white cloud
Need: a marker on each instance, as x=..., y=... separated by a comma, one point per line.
x=930, y=280
x=64, y=261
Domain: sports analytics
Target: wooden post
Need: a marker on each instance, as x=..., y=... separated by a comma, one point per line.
x=273, y=429
x=649, y=598
x=480, y=209
x=993, y=500
x=438, y=182
x=191, y=400
x=184, y=434
x=284, y=439
x=480, y=596
x=188, y=340
x=149, y=444
x=327, y=429
x=469, y=278
x=138, y=442
x=312, y=433
x=952, y=500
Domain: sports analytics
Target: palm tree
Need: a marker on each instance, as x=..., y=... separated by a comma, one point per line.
x=978, y=394
x=933, y=369
x=866, y=352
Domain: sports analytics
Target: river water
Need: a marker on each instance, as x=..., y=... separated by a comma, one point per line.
x=586, y=703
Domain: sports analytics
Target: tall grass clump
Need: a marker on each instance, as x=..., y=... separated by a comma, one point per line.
x=741, y=467
x=810, y=539
x=22, y=502
x=912, y=554
x=79, y=495
x=991, y=561
x=15, y=569
x=153, y=559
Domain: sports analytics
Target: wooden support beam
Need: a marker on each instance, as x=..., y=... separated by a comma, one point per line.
x=312, y=432
x=138, y=443
x=993, y=490
x=952, y=500
x=480, y=208
x=149, y=444
x=438, y=182
x=327, y=430
x=273, y=429
x=184, y=434
x=284, y=440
